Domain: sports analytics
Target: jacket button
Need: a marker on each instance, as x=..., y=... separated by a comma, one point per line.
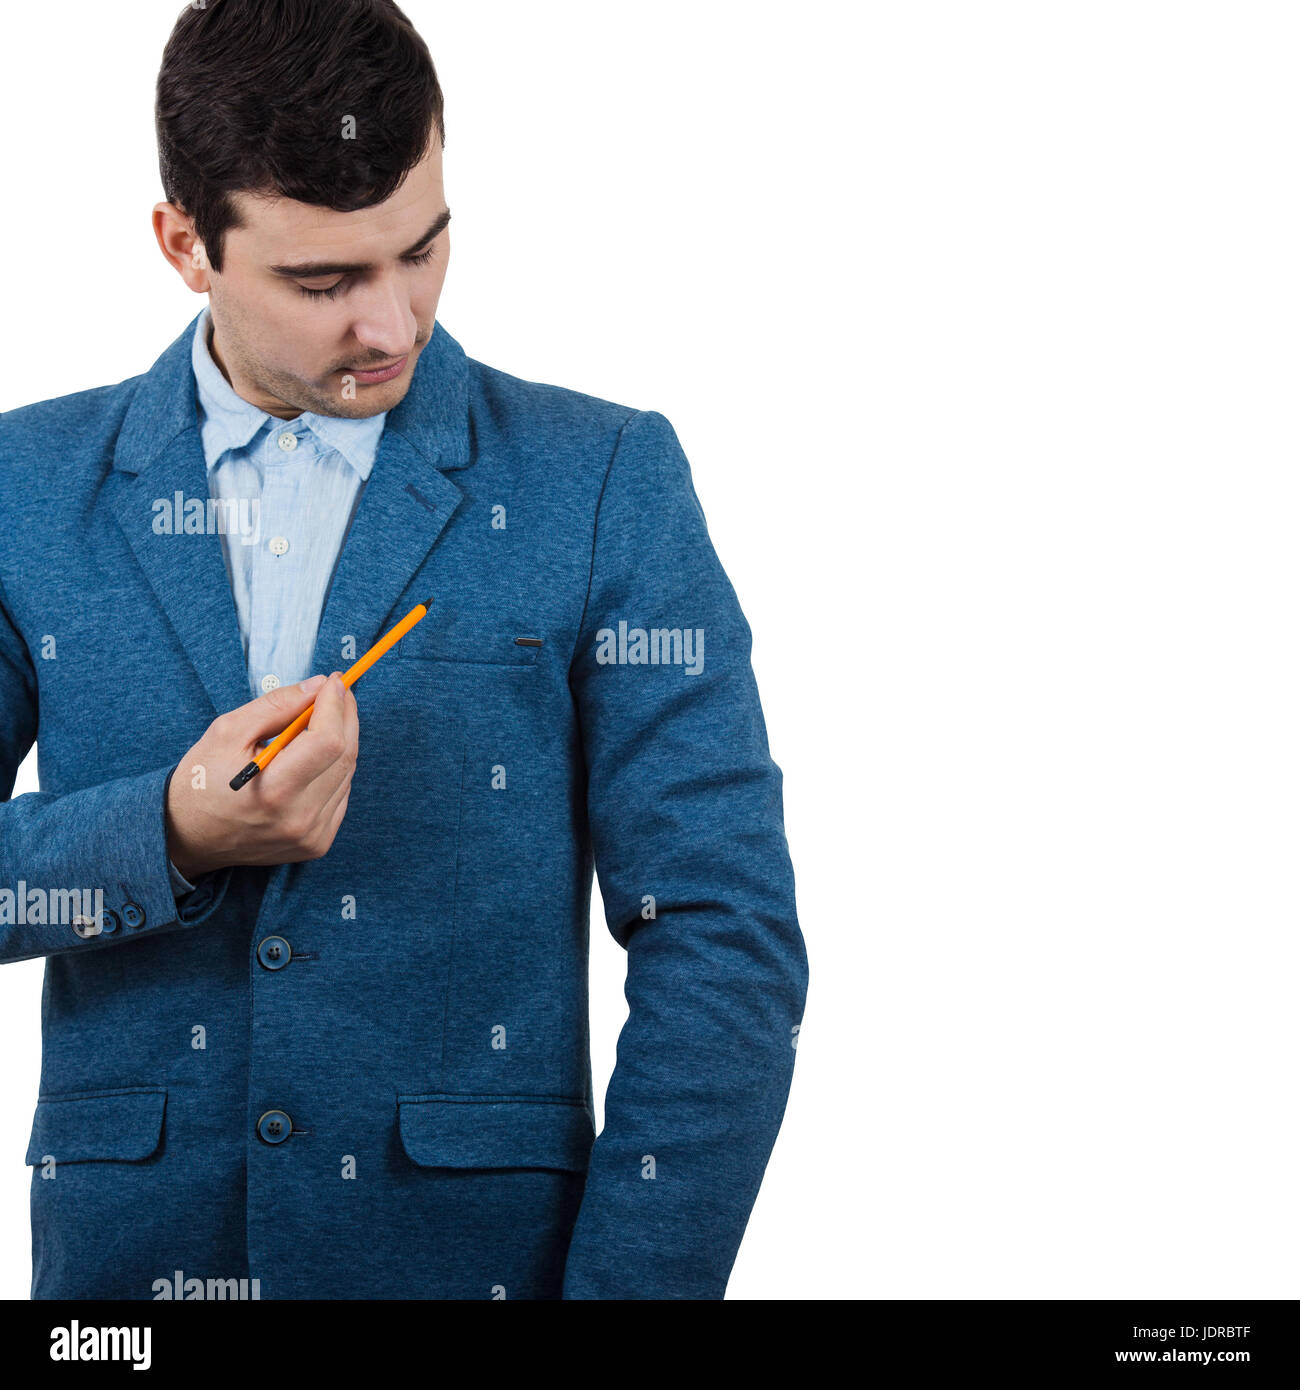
x=273, y=953
x=110, y=922
x=133, y=914
x=85, y=927
x=274, y=1127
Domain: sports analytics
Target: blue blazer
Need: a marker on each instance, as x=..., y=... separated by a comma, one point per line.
x=368, y=1075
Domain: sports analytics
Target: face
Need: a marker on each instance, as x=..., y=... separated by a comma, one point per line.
x=321, y=310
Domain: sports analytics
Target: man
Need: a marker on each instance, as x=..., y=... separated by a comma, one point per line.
x=328, y=1033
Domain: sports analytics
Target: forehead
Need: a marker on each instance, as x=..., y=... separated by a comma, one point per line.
x=274, y=227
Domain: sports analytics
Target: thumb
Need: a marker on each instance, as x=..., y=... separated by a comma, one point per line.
x=267, y=715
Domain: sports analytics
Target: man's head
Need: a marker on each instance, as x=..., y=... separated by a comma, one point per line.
x=300, y=145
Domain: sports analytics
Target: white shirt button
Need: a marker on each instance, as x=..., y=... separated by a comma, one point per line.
x=269, y=682
x=278, y=545
x=288, y=441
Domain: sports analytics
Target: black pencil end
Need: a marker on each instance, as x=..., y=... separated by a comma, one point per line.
x=244, y=776
x=428, y=603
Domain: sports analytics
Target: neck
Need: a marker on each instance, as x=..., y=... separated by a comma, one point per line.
x=277, y=409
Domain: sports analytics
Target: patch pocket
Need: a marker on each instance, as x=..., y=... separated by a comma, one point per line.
x=445, y=1131
x=124, y=1125
x=465, y=645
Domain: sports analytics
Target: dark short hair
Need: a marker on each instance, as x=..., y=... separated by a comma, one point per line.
x=253, y=96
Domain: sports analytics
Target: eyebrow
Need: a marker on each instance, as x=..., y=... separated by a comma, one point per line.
x=307, y=270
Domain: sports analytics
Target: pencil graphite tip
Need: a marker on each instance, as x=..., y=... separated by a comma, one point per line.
x=428, y=603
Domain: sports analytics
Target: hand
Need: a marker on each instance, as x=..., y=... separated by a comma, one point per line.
x=289, y=812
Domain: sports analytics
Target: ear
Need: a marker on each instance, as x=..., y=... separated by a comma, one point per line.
x=182, y=248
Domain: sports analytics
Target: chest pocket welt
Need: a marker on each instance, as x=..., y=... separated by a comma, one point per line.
x=440, y=1131
x=510, y=649
x=86, y=1126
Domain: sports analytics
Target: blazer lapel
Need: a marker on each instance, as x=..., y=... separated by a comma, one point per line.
x=159, y=454
x=406, y=503
x=405, y=506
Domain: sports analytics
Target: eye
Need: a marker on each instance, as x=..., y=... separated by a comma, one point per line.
x=322, y=294
x=338, y=286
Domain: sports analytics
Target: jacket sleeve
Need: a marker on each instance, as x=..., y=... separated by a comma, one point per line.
x=111, y=838
x=684, y=806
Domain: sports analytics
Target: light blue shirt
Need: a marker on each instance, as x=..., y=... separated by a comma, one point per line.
x=293, y=486
x=291, y=489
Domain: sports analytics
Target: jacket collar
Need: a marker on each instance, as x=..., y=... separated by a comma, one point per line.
x=433, y=415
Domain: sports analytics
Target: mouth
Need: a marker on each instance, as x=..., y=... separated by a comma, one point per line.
x=372, y=376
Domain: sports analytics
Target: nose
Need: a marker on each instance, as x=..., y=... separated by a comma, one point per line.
x=385, y=324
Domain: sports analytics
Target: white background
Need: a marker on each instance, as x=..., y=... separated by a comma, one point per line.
x=978, y=323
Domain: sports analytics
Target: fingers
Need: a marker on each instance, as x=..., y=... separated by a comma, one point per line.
x=292, y=811
x=323, y=755
x=331, y=813
x=269, y=714
x=327, y=715
x=351, y=722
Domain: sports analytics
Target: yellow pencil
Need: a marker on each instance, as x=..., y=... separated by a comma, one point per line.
x=350, y=677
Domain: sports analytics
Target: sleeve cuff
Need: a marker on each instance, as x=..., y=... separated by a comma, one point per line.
x=180, y=884
x=191, y=902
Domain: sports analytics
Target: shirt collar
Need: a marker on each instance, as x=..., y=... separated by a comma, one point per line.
x=228, y=421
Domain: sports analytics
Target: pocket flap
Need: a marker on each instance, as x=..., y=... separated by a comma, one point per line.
x=495, y=1132
x=82, y=1126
